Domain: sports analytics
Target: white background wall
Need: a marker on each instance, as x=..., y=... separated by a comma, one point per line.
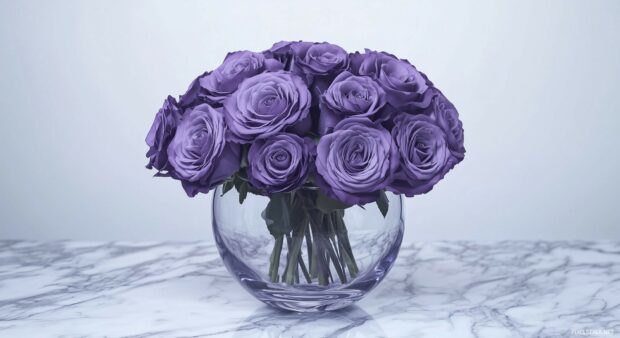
x=536, y=84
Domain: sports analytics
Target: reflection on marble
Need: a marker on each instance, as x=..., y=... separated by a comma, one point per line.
x=437, y=289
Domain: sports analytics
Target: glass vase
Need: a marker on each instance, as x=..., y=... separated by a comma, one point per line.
x=294, y=252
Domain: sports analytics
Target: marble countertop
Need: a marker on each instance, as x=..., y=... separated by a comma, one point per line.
x=436, y=289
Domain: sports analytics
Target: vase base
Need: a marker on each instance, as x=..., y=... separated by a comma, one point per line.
x=303, y=298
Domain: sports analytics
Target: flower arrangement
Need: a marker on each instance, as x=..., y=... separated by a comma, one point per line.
x=315, y=129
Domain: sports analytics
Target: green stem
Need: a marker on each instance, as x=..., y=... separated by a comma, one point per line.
x=288, y=255
x=337, y=242
x=304, y=270
x=311, y=253
x=329, y=271
x=322, y=266
x=333, y=236
x=326, y=237
x=343, y=237
x=302, y=265
x=330, y=243
x=294, y=250
x=275, y=259
x=334, y=258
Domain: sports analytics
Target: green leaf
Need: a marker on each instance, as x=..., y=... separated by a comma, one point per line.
x=241, y=186
x=227, y=186
x=243, y=191
x=383, y=203
x=327, y=204
x=240, y=180
x=277, y=216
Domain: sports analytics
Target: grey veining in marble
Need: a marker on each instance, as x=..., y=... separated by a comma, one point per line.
x=438, y=289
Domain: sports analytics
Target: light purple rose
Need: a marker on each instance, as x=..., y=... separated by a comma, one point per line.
x=350, y=95
x=214, y=87
x=424, y=154
x=161, y=133
x=265, y=105
x=320, y=58
x=406, y=88
x=356, y=161
x=236, y=67
x=447, y=118
x=280, y=163
x=199, y=154
x=192, y=96
x=282, y=52
x=312, y=58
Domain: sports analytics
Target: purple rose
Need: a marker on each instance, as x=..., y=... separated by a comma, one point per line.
x=312, y=58
x=161, y=133
x=424, y=154
x=406, y=88
x=356, y=161
x=282, y=52
x=199, y=154
x=214, y=87
x=370, y=62
x=266, y=104
x=192, y=96
x=349, y=95
x=280, y=163
x=320, y=58
x=380, y=124
x=447, y=118
x=236, y=67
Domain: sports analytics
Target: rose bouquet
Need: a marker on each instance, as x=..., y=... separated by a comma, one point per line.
x=315, y=129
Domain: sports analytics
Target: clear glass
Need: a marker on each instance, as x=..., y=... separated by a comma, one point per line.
x=357, y=255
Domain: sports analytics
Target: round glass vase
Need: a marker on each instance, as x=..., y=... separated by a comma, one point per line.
x=291, y=252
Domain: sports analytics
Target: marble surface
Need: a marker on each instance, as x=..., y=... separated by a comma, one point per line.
x=436, y=289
